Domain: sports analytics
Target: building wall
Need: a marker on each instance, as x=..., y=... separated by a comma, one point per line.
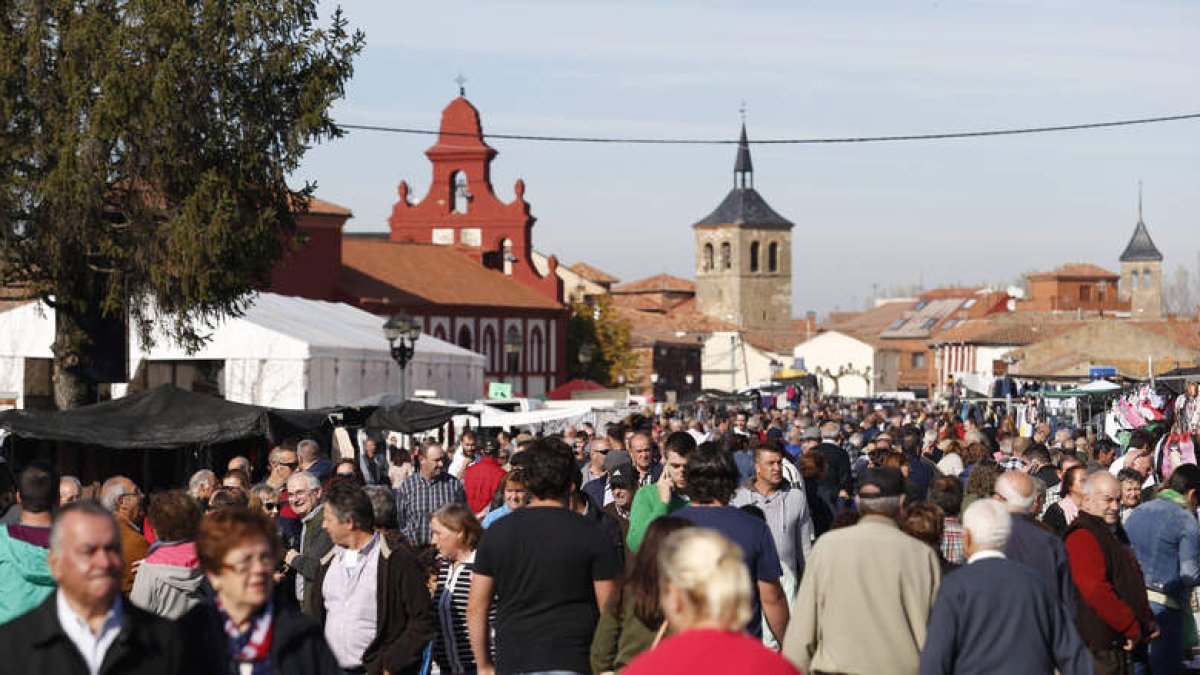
x=742, y=287
x=832, y=351
x=313, y=269
x=730, y=363
x=1146, y=299
x=1071, y=294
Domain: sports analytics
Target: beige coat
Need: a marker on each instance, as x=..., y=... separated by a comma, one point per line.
x=864, y=601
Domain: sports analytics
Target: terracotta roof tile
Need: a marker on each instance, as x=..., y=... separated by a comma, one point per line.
x=658, y=282
x=872, y=322
x=1076, y=271
x=592, y=274
x=408, y=273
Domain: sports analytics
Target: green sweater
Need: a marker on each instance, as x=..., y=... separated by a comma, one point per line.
x=618, y=640
x=646, y=507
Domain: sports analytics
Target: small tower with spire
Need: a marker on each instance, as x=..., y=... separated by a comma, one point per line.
x=744, y=255
x=1141, y=271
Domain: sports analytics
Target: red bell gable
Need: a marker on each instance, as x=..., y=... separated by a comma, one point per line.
x=461, y=209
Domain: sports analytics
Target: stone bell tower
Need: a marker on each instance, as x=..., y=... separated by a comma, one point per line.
x=1141, y=272
x=744, y=256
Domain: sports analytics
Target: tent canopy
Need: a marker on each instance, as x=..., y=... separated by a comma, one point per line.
x=563, y=391
x=164, y=417
x=411, y=417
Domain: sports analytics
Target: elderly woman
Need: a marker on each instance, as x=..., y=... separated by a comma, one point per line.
x=455, y=532
x=245, y=629
x=705, y=595
x=169, y=580
x=634, y=615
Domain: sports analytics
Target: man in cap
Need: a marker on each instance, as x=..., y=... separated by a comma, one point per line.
x=620, y=481
x=869, y=579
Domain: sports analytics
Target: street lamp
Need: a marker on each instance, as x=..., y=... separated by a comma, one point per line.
x=402, y=331
x=689, y=378
x=585, y=358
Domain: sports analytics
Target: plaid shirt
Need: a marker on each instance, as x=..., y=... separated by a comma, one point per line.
x=952, y=541
x=417, y=498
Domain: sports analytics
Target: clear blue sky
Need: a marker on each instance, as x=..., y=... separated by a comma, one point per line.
x=941, y=212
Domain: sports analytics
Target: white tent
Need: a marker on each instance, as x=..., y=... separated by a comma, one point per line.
x=285, y=352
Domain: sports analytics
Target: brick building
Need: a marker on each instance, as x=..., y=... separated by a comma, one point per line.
x=461, y=260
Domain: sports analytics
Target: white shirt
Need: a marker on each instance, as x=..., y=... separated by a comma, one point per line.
x=92, y=647
x=985, y=554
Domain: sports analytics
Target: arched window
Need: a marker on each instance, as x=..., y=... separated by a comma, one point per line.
x=1133, y=280
x=489, y=349
x=773, y=257
x=464, y=337
x=535, y=350
x=726, y=256
x=440, y=333
x=1147, y=280
x=460, y=192
x=754, y=256
x=512, y=348
x=708, y=257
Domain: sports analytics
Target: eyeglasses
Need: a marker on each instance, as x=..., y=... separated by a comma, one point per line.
x=244, y=564
x=290, y=465
x=271, y=506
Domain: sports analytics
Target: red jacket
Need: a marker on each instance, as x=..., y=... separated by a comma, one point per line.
x=481, y=480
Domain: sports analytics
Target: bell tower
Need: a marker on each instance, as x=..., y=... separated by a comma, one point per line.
x=462, y=210
x=744, y=255
x=1141, y=272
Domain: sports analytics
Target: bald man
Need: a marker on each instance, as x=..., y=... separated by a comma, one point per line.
x=1031, y=544
x=1114, y=615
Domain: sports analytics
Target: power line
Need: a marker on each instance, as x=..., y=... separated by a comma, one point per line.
x=786, y=141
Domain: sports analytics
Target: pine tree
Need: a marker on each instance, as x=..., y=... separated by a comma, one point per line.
x=144, y=154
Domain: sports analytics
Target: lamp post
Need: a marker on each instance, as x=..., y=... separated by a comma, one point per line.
x=585, y=359
x=402, y=331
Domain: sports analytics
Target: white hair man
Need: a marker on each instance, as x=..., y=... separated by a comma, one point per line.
x=125, y=500
x=201, y=485
x=1031, y=544
x=304, y=555
x=70, y=490
x=1114, y=615
x=995, y=615
x=85, y=626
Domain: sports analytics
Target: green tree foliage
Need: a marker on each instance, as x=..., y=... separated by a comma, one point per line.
x=596, y=323
x=143, y=156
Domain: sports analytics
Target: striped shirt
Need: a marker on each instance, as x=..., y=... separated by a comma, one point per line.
x=451, y=645
x=417, y=499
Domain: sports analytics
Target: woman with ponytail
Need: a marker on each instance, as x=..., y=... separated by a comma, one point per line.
x=705, y=591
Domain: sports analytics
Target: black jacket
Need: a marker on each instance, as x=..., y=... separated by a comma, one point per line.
x=36, y=643
x=406, y=620
x=297, y=644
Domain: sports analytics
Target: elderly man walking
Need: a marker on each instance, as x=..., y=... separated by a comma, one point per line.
x=1031, y=544
x=1166, y=540
x=997, y=616
x=305, y=554
x=867, y=590
x=85, y=628
x=1114, y=616
x=125, y=500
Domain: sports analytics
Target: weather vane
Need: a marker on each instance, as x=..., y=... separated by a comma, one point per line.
x=742, y=111
x=462, y=81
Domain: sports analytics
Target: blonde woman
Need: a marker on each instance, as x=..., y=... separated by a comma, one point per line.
x=705, y=589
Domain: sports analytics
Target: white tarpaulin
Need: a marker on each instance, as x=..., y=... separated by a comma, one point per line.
x=285, y=352
x=547, y=420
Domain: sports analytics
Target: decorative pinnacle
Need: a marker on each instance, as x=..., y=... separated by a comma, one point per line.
x=462, y=81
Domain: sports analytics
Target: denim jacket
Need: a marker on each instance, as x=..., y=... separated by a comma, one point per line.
x=1166, y=541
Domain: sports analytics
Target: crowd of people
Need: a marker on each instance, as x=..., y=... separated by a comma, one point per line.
x=831, y=537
